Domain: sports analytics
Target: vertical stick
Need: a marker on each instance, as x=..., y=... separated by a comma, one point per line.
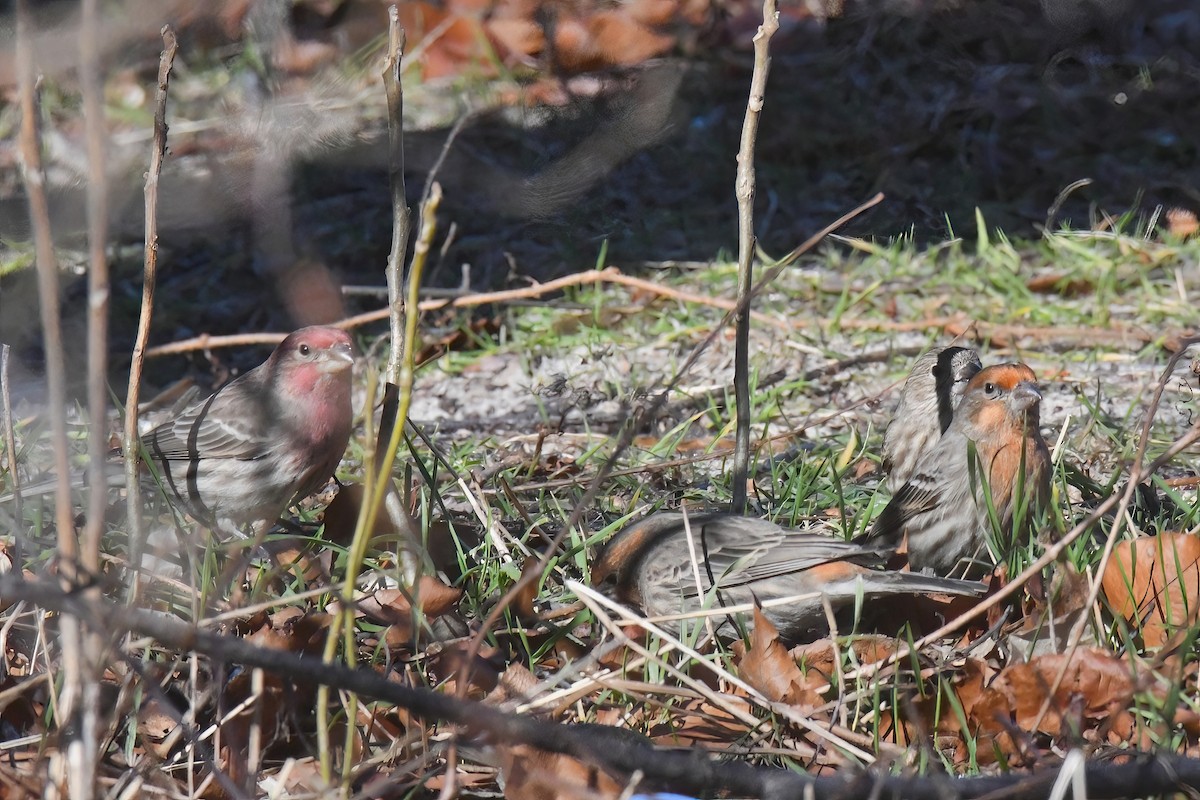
x=98, y=286
x=149, y=276
x=401, y=219
x=75, y=764
x=10, y=446
x=47, y=277
x=744, y=190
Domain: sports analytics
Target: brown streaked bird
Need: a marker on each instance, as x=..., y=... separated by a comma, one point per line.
x=995, y=441
x=933, y=390
x=749, y=559
x=265, y=440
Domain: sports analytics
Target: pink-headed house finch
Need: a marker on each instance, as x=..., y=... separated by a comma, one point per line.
x=994, y=441
x=265, y=440
x=933, y=390
x=651, y=564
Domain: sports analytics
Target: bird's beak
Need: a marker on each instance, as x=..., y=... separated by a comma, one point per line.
x=1025, y=396
x=337, y=358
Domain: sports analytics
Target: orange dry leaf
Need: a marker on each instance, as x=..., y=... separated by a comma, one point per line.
x=444, y=42
x=536, y=775
x=1092, y=700
x=768, y=667
x=966, y=682
x=1154, y=583
x=1059, y=284
x=693, y=721
x=818, y=657
x=394, y=607
x=522, y=603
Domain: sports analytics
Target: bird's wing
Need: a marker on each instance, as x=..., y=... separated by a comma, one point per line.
x=213, y=428
x=919, y=495
x=742, y=550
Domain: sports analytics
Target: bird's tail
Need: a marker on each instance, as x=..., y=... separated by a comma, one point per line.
x=886, y=583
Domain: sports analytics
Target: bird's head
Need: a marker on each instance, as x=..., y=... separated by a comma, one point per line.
x=311, y=354
x=1003, y=396
x=953, y=370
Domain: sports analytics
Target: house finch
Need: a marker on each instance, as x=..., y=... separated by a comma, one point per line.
x=749, y=559
x=265, y=440
x=933, y=390
x=994, y=441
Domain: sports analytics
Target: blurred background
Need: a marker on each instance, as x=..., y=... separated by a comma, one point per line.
x=579, y=125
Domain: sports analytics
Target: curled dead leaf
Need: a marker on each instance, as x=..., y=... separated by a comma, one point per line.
x=395, y=606
x=1153, y=582
x=531, y=774
x=155, y=724
x=1091, y=700
x=768, y=666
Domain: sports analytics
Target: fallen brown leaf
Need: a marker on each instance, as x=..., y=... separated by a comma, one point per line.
x=1060, y=285
x=1153, y=582
x=1092, y=700
x=769, y=667
x=537, y=775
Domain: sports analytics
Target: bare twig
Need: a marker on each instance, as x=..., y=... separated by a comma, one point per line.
x=91, y=80
x=744, y=190
x=131, y=439
x=10, y=446
x=77, y=762
x=47, y=275
x=401, y=221
x=98, y=283
x=608, y=275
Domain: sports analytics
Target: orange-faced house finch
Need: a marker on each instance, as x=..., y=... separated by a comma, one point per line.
x=994, y=441
x=267, y=439
x=651, y=565
x=933, y=390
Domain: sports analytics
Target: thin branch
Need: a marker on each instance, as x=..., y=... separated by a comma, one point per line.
x=75, y=769
x=91, y=80
x=149, y=277
x=98, y=283
x=10, y=446
x=401, y=220
x=47, y=279
x=607, y=275
x=744, y=187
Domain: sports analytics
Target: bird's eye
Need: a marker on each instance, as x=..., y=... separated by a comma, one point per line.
x=304, y=349
x=990, y=389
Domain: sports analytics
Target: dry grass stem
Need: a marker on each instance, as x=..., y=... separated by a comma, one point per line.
x=401, y=217
x=744, y=189
x=131, y=440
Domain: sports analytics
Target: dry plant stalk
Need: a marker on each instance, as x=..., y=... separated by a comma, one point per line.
x=10, y=447
x=744, y=187
x=401, y=219
x=131, y=439
x=98, y=283
x=72, y=767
